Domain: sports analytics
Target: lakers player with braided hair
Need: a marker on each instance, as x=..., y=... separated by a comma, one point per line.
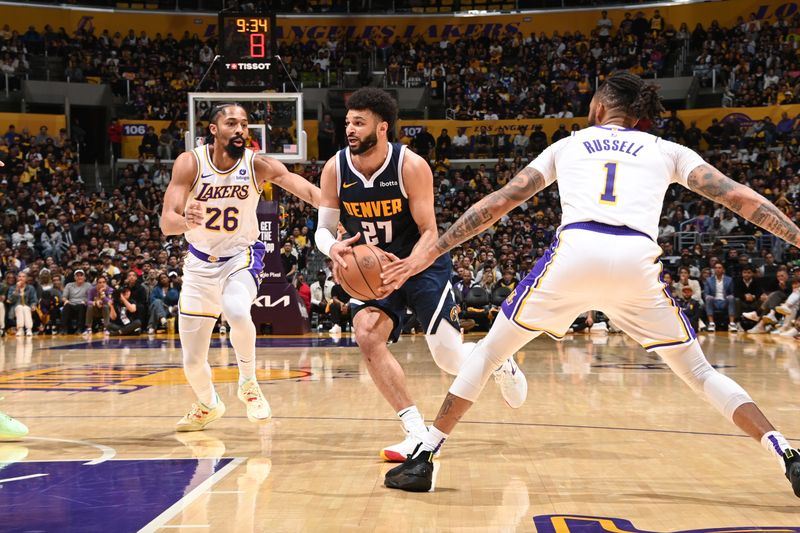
x=612, y=181
x=212, y=200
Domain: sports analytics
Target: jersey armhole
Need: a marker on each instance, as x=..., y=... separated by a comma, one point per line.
x=400, y=160
x=199, y=170
x=253, y=176
x=338, y=173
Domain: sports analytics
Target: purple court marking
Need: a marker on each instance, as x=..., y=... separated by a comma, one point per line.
x=216, y=342
x=600, y=524
x=117, y=496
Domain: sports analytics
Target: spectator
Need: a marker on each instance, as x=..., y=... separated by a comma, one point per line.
x=748, y=293
x=115, y=138
x=339, y=309
x=76, y=296
x=22, y=300
x=326, y=138
x=288, y=259
x=321, y=296
x=123, y=314
x=689, y=304
x=98, y=304
x=163, y=302
x=443, y=144
x=461, y=144
x=719, y=297
x=149, y=145
x=165, y=144
x=423, y=143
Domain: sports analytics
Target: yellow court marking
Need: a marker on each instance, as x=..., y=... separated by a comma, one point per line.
x=175, y=376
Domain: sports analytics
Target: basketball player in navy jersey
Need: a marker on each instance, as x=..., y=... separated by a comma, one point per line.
x=383, y=195
x=612, y=180
x=212, y=200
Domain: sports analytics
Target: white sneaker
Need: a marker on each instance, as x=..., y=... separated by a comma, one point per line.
x=770, y=318
x=784, y=310
x=258, y=409
x=223, y=330
x=751, y=315
x=758, y=328
x=513, y=385
x=28, y=332
x=791, y=332
x=732, y=328
x=396, y=453
x=599, y=327
x=336, y=329
x=151, y=331
x=711, y=328
x=200, y=416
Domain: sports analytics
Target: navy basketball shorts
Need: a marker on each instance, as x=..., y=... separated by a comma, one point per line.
x=429, y=294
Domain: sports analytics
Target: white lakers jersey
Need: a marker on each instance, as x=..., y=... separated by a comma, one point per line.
x=230, y=199
x=615, y=175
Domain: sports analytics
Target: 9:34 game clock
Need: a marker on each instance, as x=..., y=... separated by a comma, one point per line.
x=247, y=49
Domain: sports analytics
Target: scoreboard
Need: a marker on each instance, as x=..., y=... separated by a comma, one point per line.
x=247, y=49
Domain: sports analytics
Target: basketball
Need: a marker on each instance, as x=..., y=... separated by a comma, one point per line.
x=362, y=277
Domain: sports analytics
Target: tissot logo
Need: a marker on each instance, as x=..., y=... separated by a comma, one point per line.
x=248, y=66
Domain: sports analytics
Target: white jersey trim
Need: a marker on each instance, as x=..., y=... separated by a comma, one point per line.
x=214, y=168
x=368, y=183
x=338, y=174
x=400, y=172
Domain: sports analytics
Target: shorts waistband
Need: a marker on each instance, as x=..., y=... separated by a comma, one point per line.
x=599, y=227
x=207, y=258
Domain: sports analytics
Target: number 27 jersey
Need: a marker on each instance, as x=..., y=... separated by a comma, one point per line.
x=377, y=207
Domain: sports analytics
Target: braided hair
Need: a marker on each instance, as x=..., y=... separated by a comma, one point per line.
x=627, y=91
x=214, y=114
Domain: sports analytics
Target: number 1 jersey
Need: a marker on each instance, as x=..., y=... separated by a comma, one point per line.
x=377, y=207
x=615, y=175
x=230, y=199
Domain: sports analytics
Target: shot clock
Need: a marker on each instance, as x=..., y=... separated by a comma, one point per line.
x=247, y=49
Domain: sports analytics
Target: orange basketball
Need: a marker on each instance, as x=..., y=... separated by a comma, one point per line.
x=362, y=277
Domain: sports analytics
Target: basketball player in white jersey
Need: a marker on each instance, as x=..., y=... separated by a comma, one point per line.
x=612, y=181
x=212, y=200
x=383, y=195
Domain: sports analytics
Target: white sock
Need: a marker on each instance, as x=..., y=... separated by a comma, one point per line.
x=214, y=401
x=775, y=443
x=434, y=439
x=412, y=420
x=243, y=379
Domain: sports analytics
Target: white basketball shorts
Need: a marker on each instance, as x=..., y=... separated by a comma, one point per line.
x=204, y=277
x=594, y=266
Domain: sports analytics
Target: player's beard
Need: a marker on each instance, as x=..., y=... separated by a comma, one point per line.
x=236, y=152
x=364, y=145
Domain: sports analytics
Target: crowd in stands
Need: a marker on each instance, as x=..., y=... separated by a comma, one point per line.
x=62, y=240
x=505, y=76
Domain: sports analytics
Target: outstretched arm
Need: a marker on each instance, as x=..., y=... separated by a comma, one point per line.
x=714, y=185
x=272, y=170
x=479, y=217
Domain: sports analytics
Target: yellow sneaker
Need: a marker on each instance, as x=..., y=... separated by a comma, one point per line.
x=11, y=429
x=200, y=416
x=258, y=409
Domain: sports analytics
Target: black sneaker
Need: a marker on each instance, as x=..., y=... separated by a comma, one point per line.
x=416, y=473
x=792, y=459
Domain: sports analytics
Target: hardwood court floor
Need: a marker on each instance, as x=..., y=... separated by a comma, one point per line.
x=607, y=431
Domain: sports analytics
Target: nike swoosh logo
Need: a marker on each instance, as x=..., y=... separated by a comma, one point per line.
x=346, y=185
x=204, y=176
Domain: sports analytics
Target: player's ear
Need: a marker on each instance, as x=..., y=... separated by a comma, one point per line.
x=212, y=128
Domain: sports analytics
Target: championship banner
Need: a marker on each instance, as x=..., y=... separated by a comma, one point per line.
x=278, y=309
x=430, y=27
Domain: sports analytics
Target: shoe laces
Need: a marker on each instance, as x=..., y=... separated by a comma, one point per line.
x=197, y=411
x=251, y=392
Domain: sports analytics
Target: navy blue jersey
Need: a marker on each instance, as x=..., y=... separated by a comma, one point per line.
x=377, y=207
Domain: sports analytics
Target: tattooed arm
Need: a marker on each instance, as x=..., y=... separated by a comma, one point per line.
x=479, y=217
x=714, y=185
